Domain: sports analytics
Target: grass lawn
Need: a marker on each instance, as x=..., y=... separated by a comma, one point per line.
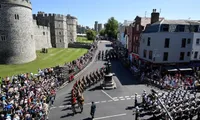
x=84, y=40
x=54, y=57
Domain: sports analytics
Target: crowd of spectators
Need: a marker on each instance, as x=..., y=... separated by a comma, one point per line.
x=28, y=96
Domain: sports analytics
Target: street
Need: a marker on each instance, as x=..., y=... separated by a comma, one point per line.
x=116, y=104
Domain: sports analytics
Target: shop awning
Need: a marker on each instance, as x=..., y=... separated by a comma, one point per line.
x=172, y=70
x=185, y=69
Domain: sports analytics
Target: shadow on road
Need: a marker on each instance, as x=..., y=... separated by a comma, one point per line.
x=124, y=75
x=95, y=88
x=88, y=118
x=68, y=115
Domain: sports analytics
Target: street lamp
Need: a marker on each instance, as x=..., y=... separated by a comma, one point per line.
x=156, y=94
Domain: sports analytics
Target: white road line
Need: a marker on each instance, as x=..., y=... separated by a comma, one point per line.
x=99, y=118
x=87, y=103
x=122, y=99
x=61, y=106
x=107, y=94
x=132, y=96
x=110, y=100
x=114, y=97
x=126, y=96
x=52, y=108
x=103, y=101
x=116, y=100
x=97, y=102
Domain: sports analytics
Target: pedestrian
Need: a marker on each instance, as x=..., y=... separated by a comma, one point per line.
x=93, y=109
x=135, y=99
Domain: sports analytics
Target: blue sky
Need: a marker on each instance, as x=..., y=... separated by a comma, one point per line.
x=88, y=11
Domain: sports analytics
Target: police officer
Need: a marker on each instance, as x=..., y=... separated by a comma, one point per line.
x=136, y=99
x=93, y=109
x=137, y=114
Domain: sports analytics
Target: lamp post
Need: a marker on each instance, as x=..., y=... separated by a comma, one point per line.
x=156, y=94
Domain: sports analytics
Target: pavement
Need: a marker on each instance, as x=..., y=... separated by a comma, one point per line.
x=116, y=104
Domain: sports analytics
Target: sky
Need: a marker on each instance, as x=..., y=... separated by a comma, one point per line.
x=89, y=11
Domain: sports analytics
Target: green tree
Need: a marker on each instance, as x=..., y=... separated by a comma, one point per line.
x=111, y=28
x=91, y=34
x=102, y=32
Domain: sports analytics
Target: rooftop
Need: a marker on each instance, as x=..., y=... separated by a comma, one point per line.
x=178, y=22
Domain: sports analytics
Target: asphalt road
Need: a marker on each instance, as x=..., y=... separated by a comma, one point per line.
x=116, y=104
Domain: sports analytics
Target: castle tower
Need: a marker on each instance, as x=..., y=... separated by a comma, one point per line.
x=17, y=45
x=72, y=29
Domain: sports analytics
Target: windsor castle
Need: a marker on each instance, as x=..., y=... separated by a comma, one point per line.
x=22, y=33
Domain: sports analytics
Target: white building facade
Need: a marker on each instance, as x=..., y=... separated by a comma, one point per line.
x=169, y=41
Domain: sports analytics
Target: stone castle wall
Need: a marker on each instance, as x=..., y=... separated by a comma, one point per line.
x=41, y=36
x=16, y=32
x=72, y=29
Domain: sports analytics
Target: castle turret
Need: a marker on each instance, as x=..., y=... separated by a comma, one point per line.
x=72, y=29
x=17, y=45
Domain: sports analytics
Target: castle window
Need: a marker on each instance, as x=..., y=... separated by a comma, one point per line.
x=16, y=16
x=43, y=33
x=3, y=38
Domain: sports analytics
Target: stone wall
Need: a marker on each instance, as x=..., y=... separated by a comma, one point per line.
x=72, y=29
x=16, y=33
x=41, y=36
x=79, y=45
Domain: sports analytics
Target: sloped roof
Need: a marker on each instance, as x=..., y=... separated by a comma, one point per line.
x=179, y=22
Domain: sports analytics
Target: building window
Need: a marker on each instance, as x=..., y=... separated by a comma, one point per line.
x=3, y=38
x=197, y=41
x=145, y=53
x=59, y=33
x=182, y=54
x=167, y=43
x=60, y=40
x=188, y=54
x=150, y=55
x=189, y=41
x=137, y=27
x=16, y=16
x=183, y=44
x=195, y=54
x=43, y=33
x=31, y=36
x=165, y=56
x=59, y=25
x=165, y=28
x=149, y=41
x=0, y=6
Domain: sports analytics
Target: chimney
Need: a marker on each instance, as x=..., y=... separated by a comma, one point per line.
x=154, y=16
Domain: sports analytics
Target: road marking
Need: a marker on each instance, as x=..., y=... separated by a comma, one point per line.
x=61, y=106
x=126, y=96
x=99, y=118
x=110, y=100
x=132, y=96
x=97, y=102
x=114, y=97
x=87, y=103
x=116, y=100
x=107, y=94
x=121, y=97
x=103, y=101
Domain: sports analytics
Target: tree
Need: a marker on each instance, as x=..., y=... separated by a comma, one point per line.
x=91, y=34
x=102, y=32
x=111, y=28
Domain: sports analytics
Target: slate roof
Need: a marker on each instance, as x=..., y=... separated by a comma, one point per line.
x=178, y=22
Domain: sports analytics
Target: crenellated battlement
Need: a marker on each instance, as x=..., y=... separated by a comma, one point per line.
x=24, y=3
x=43, y=27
